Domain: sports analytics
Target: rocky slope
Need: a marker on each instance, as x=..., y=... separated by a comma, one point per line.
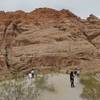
x=48, y=39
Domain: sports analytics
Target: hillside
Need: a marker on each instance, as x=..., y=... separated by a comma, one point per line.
x=48, y=39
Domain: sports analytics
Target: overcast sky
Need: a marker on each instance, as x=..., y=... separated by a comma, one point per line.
x=82, y=8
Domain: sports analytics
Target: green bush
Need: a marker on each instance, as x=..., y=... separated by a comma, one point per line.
x=91, y=90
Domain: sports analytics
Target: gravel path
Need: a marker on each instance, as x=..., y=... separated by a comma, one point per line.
x=63, y=91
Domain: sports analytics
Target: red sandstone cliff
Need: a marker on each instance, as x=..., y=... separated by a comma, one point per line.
x=50, y=39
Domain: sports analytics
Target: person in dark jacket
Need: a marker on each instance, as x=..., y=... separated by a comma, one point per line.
x=72, y=79
x=75, y=72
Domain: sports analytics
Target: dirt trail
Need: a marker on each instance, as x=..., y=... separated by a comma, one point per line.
x=63, y=91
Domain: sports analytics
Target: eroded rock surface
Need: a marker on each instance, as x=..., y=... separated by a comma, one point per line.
x=50, y=39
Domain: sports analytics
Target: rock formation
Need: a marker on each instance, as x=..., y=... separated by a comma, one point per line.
x=47, y=38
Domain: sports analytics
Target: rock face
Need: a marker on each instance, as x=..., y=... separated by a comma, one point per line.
x=47, y=38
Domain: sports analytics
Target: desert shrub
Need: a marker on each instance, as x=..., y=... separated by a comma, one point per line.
x=41, y=84
x=23, y=89
x=15, y=90
x=91, y=90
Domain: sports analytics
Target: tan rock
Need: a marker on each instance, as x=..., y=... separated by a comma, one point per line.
x=48, y=38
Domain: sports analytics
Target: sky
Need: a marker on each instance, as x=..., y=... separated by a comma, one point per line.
x=82, y=8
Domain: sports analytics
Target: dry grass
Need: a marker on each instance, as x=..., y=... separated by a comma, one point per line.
x=91, y=90
x=16, y=90
x=24, y=89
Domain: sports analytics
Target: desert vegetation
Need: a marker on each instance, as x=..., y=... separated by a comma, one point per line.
x=24, y=89
x=91, y=90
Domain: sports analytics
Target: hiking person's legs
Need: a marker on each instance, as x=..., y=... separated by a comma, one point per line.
x=72, y=83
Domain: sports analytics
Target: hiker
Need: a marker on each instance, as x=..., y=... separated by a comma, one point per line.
x=30, y=76
x=75, y=72
x=78, y=73
x=33, y=73
x=72, y=79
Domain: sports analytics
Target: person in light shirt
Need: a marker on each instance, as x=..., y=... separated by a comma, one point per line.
x=30, y=76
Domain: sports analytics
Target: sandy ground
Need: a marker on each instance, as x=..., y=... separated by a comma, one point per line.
x=63, y=90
